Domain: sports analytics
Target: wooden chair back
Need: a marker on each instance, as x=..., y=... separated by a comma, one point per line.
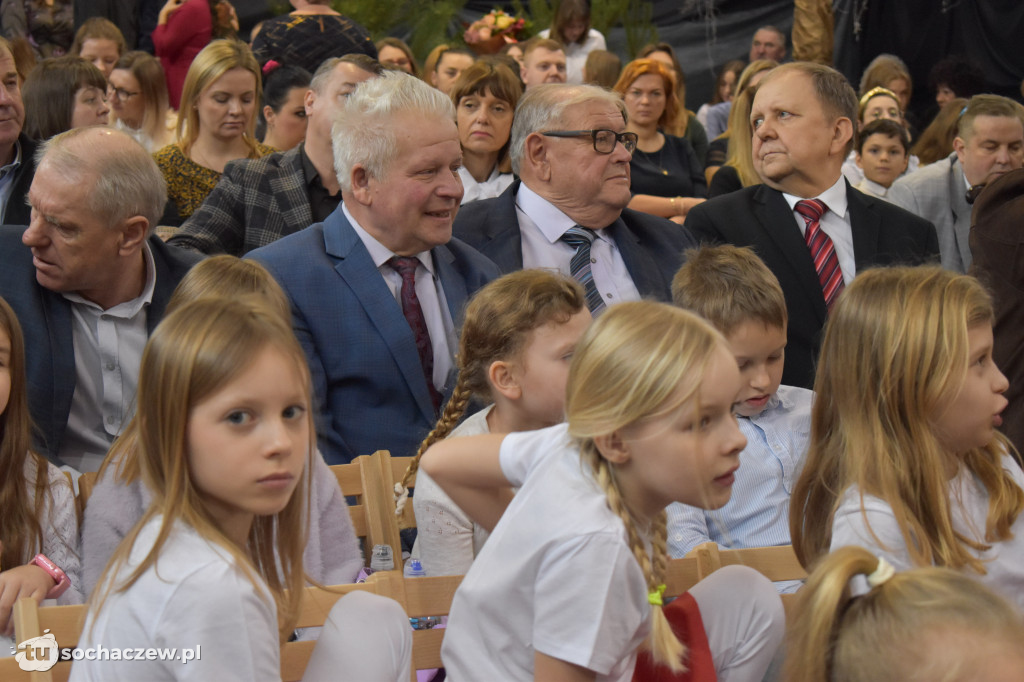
x=371, y=480
x=775, y=563
x=30, y=620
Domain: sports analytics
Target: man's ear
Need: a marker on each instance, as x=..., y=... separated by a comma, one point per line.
x=841, y=135
x=134, y=231
x=503, y=379
x=308, y=100
x=361, y=180
x=535, y=156
x=959, y=146
x=613, y=447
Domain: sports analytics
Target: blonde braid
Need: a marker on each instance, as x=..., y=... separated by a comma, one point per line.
x=453, y=411
x=665, y=647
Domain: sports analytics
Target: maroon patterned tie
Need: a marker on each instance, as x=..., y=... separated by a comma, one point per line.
x=822, y=250
x=406, y=267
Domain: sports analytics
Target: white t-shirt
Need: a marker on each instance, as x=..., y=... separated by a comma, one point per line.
x=556, y=576
x=576, y=54
x=195, y=596
x=1004, y=562
x=446, y=538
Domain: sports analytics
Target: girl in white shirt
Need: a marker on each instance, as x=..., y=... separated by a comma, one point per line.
x=904, y=456
x=570, y=582
x=858, y=621
x=38, y=526
x=224, y=439
x=517, y=340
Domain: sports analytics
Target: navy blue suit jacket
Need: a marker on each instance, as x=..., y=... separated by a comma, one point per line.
x=651, y=247
x=366, y=372
x=759, y=217
x=45, y=318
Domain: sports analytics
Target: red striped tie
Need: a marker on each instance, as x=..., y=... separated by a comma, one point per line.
x=822, y=250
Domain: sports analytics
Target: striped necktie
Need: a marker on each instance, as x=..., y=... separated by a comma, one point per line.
x=580, y=239
x=822, y=250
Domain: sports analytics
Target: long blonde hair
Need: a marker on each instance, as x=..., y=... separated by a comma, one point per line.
x=212, y=62
x=896, y=346
x=193, y=353
x=629, y=366
x=899, y=630
x=498, y=319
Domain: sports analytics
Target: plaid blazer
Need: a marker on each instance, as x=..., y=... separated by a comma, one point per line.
x=256, y=202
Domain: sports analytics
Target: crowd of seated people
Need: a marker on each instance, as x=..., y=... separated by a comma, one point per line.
x=514, y=276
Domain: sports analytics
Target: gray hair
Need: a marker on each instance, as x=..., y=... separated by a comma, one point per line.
x=126, y=180
x=324, y=72
x=364, y=130
x=544, y=107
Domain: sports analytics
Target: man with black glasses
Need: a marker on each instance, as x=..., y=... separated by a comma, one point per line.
x=568, y=210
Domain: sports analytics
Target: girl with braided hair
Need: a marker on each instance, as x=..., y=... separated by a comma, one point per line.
x=569, y=584
x=518, y=337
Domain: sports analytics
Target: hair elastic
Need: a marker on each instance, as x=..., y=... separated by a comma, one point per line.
x=861, y=584
x=655, y=597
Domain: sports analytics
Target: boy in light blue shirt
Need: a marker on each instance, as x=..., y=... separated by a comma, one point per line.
x=734, y=290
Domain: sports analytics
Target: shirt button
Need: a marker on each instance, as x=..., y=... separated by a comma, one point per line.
x=593, y=260
x=110, y=419
x=110, y=367
x=608, y=295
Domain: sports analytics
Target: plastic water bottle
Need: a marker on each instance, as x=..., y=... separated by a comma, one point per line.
x=414, y=569
x=381, y=559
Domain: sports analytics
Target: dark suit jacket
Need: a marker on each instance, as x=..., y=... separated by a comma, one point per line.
x=17, y=211
x=362, y=354
x=255, y=202
x=759, y=217
x=651, y=247
x=45, y=318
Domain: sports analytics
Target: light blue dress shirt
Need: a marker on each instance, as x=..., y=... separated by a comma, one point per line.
x=757, y=515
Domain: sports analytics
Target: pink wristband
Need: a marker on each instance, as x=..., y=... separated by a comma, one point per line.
x=61, y=578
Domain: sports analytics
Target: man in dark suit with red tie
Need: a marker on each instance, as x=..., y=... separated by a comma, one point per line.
x=811, y=228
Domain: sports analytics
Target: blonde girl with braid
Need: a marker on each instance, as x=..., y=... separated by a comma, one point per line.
x=569, y=584
x=514, y=351
x=857, y=620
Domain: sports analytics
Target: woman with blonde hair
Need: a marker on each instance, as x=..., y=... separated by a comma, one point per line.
x=485, y=97
x=904, y=456
x=858, y=621
x=578, y=559
x=666, y=179
x=718, y=150
x=138, y=99
x=216, y=124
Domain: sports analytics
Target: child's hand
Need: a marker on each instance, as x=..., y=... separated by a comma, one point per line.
x=19, y=582
x=169, y=8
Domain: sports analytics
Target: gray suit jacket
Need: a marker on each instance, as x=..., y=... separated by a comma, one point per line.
x=256, y=202
x=938, y=193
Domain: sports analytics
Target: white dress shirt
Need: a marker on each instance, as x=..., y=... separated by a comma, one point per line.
x=494, y=185
x=430, y=294
x=541, y=225
x=835, y=223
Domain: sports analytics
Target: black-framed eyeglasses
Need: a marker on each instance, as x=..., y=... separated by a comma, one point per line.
x=604, y=139
x=120, y=93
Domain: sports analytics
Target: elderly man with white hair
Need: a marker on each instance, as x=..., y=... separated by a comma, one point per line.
x=568, y=212
x=377, y=289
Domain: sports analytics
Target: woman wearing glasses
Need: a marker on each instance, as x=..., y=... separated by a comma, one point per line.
x=63, y=93
x=666, y=178
x=138, y=99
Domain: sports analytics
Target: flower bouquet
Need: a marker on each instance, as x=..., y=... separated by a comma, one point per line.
x=490, y=33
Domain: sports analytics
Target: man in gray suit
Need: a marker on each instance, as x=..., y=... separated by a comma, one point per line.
x=990, y=143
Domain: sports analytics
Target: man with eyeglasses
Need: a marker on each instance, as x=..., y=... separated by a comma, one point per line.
x=571, y=151
x=258, y=201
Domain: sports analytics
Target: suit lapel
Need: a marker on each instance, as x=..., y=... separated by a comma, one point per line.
x=961, y=211
x=772, y=211
x=353, y=264
x=866, y=225
x=645, y=273
x=57, y=313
